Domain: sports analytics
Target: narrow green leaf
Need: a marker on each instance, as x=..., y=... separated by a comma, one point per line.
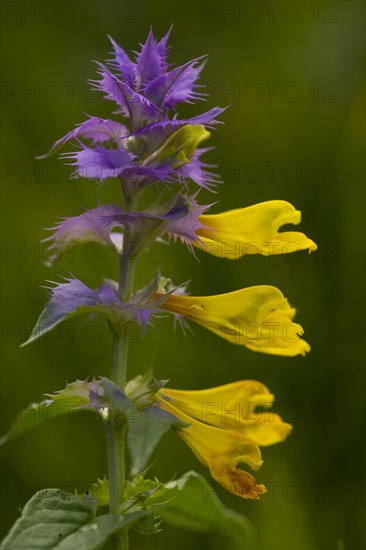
x=53, y=519
x=191, y=503
x=51, y=317
x=145, y=426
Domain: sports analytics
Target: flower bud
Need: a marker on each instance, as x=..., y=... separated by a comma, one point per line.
x=180, y=146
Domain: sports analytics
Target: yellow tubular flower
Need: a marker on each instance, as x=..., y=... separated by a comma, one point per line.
x=225, y=430
x=234, y=406
x=257, y=317
x=253, y=230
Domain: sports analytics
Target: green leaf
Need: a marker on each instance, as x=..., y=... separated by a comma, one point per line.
x=145, y=430
x=94, y=535
x=95, y=395
x=145, y=427
x=191, y=503
x=75, y=396
x=53, y=519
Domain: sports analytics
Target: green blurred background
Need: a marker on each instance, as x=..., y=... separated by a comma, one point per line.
x=302, y=142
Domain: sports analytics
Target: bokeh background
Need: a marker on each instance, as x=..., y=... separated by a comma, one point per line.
x=293, y=73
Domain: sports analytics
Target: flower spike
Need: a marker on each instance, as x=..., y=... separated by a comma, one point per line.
x=150, y=145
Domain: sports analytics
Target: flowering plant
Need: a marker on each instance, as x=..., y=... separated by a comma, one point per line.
x=224, y=426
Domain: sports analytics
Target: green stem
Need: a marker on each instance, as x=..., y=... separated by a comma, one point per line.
x=116, y=433
x=119, y=359
x=116, y=472
x=126, y=267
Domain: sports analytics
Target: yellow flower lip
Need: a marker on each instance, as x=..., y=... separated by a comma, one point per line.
x=253, y=230
x=258, y=317
x=224, y=429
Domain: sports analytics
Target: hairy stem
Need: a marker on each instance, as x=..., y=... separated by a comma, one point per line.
x=116, y=473
x=116, y=433
x=126, y=267
x=119, y=359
